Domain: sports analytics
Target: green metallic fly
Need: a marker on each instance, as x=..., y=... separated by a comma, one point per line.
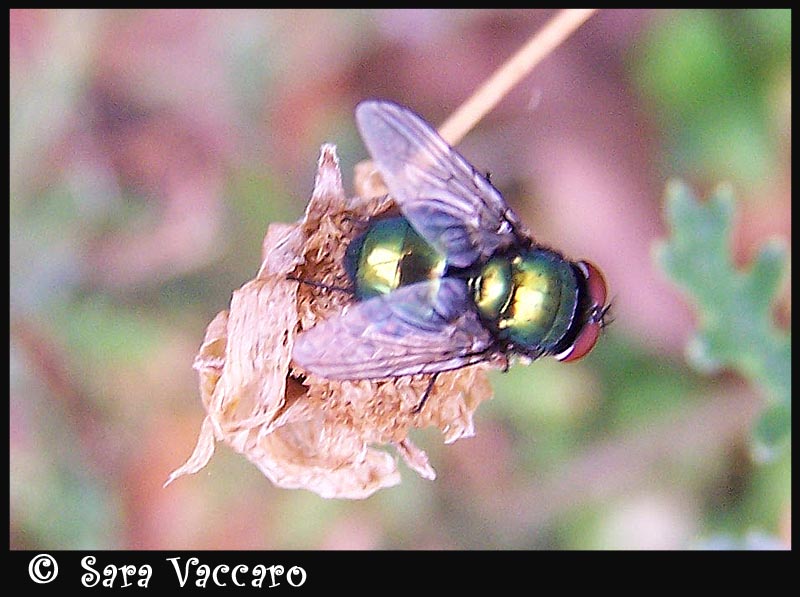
x=455, y=279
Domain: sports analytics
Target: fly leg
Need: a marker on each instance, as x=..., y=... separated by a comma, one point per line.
x=492, y=354
x=320, y=285
x=427, y=393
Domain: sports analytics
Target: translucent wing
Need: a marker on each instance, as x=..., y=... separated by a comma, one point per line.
x=420, y=328
x=451, y=205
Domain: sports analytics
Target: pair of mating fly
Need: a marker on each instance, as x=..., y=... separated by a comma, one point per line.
x=453, y=281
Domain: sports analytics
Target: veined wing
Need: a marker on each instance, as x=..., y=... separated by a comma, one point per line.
x=420, y=328
x=452, y=206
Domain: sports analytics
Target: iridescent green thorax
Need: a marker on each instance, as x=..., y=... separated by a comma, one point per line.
x=530, y=298
x=388, y=255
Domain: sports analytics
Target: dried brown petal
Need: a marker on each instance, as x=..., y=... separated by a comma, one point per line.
x=367, y=180
x=320, y=435
x=416, y=459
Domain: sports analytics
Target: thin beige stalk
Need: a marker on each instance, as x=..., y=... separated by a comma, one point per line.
x=559, y=28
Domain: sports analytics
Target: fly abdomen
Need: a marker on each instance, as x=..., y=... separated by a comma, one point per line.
x=388, y=255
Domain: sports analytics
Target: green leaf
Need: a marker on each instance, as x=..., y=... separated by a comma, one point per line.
x=735, y=327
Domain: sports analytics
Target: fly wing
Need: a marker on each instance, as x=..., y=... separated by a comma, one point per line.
x=421, y=328
x=452, y=206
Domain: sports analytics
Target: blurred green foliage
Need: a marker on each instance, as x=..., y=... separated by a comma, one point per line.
x=713, y=76
x=735, y=320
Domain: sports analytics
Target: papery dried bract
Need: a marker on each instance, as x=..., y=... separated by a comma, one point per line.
x=319, y=435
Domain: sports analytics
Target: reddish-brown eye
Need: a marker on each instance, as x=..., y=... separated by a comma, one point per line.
x=595, y=284
x=588, y=335
x=583, y=344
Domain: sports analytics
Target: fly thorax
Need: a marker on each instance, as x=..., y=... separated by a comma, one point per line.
x=529, y=298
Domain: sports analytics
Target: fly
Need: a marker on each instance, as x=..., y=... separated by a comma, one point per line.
x=452, y=281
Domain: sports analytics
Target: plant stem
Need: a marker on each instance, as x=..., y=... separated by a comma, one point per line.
x=512, y=72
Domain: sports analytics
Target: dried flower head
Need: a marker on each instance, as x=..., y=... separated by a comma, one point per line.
x=303, y=431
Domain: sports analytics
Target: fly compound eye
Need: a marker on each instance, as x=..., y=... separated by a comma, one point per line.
x=583, y=344
x=596, y=292
x=595, y=285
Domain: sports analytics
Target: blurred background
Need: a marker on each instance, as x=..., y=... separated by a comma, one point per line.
x=150, y=150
